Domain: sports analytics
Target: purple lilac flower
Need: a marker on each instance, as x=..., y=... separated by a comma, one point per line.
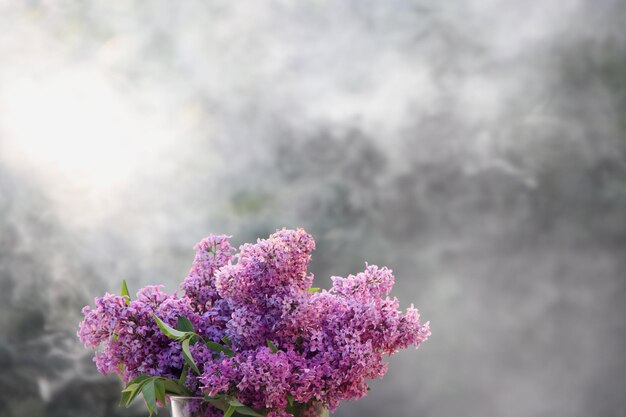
x=212, y=253
x=131, y=343
x=329, y=344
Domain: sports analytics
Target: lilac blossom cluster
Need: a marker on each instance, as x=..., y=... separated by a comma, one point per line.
x=290, y=344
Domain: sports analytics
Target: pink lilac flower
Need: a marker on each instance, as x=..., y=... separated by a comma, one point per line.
x=323, y=346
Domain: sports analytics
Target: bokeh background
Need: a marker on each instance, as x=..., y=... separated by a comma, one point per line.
x=477, y=147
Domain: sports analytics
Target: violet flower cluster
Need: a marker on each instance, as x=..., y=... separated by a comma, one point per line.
x=289, y=343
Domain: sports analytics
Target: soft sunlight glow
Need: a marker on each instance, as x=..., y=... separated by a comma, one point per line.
x=77, y=127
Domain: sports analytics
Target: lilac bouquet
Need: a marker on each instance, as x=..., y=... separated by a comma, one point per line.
x=250, y=335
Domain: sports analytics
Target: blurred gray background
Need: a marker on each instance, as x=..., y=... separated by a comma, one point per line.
x=477, y=147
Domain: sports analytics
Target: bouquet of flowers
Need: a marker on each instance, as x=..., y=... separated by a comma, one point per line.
x=250, y=335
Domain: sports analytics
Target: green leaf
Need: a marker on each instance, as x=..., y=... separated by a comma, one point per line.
x=159, y=390
x=188, y=357
x=215, y=347
x=243, y=409
x=217, y=403
x=324, y=412
x=170, y=331
x=247, y=411
x=131, y=387
x=125, y=293
x=138, y=380
x=149, y=396
x=172, y=387
x=290, y=400
x=184, y=325
x=132, y=390
x=272, y=346
x=227, y=341
x=313, y=289
x=229, y=412
x=128, y=395
x=183, y=375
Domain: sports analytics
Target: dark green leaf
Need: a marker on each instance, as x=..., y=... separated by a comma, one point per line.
x=218, y=403
x=172, y=387
x=227, y=341
x=183, y=375
x=235, y=403
x=247, y=411
x=170, y=331
x=313, y=289
x=272, y=346
x=184, y=325
x=188, y=357
x=290, y=399
x=149, y=396
x=125, y=293
x=159, y=390
x=216, y=347
x=229, y=412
